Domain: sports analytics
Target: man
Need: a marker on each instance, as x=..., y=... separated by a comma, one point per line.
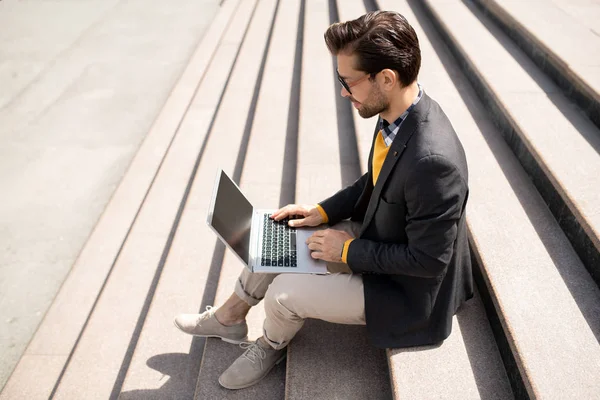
x=398, y=249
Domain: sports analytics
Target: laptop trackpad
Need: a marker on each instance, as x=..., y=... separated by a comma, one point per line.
x=303, y=253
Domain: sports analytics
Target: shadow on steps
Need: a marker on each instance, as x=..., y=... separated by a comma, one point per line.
x=321, y=350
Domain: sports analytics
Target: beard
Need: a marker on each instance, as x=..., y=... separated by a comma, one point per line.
x=375, y=104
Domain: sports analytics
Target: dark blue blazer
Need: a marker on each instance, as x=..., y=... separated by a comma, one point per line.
x=412, y=250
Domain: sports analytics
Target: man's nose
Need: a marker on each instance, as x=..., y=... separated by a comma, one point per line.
x=344, y=92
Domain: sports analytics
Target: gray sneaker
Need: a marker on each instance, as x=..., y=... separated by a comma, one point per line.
x=252, y=366
x=206, y=325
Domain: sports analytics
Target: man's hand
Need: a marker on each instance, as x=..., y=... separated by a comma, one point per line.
x=327, y=245
x=312, y=216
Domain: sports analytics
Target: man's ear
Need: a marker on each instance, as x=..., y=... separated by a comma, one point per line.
x=388, y=78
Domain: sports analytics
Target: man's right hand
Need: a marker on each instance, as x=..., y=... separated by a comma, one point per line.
x=312, y=216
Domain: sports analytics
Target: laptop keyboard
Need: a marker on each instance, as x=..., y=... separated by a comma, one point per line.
x=279, y=243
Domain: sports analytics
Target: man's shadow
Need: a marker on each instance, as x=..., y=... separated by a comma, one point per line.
x=180, y=375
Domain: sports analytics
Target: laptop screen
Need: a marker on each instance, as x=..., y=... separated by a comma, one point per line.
x=232, y=216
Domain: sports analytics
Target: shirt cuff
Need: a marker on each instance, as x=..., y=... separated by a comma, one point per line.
x=345, y=250
x=323, y=214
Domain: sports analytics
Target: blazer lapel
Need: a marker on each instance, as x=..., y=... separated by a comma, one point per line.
x=407, y=129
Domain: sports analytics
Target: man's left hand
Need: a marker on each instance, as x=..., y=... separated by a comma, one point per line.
x=327, y=244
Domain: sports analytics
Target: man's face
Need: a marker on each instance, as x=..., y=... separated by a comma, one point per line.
x=366, y=95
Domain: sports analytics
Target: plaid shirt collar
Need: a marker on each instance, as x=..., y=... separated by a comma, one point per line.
x=389, y=131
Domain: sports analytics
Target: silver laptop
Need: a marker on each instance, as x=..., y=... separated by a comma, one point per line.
x=261, y=243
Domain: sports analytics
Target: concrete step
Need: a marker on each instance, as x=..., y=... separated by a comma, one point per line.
x=258, y=96
x=556, y=144
x=327, y=360
x=363, y=127
x=73, y=115
x=331, y=361
x=115, y=324
x=166, y=363
x=541, y=301
x=468, y=363
x=51, y=350
x=547, y=31
x=522, y=278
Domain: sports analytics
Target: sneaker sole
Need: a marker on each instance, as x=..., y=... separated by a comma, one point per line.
x=254, y=382
x=232, y=341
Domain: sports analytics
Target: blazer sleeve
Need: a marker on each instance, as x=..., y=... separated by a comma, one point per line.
x=435, y=194
x=341, y=205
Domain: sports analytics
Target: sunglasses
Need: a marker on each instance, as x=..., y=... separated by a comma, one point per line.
x=347, y=85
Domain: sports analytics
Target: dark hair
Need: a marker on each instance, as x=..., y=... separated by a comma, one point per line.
x=380, y=40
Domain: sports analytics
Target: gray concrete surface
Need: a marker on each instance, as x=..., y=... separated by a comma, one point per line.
x=565, y=45
x=364, y=127
x=570, y=28
x=561, y=150
x=546, y=299
x=252, y=143
x=476, y=371
x=82, y=83
x=329, y=361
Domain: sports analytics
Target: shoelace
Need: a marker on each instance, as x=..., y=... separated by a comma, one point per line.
x=205, y=315
x=253, y=352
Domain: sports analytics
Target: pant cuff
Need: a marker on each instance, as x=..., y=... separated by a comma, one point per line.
x=242, y=294
x=274, y=345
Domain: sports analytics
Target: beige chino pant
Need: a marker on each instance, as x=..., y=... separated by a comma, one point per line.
x=291, y=298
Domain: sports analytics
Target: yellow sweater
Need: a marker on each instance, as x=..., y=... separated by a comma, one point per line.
x=379, y=154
